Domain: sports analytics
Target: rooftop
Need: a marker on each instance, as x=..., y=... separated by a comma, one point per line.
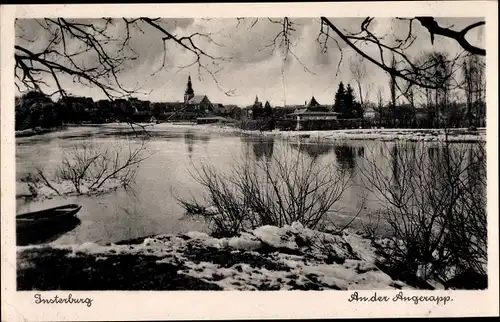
x=196, y=99
x=306, y=112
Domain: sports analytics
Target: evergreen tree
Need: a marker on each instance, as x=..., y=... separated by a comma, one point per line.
x=257, y=109
x=353, y=107
x=349, y=102
x=268, y=110
x=339, y=104
x=346, y=104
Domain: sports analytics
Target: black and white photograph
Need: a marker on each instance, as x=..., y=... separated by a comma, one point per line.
x=252, y=153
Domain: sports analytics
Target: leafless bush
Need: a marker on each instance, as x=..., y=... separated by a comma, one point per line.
x=370, y=227
x=89, y=167
x=289, y=187
x=32, y=181
x=435, y=199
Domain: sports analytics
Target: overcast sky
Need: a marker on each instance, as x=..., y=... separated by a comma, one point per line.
x=252, y=70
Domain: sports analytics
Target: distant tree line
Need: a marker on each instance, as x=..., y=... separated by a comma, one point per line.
x=459, y=100
x=260, y=117
x=36, y=110
x=455, y=99
x=259, y=111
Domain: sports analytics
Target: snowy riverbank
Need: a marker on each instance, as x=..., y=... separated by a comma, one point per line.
x=38, y=131
x=456, y=135
x=461, y=135
x=414, y=135
x=267, y=258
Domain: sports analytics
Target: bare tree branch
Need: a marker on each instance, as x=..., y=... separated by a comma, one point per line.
x=69, y=41
x=407, y=69
x=435, y=29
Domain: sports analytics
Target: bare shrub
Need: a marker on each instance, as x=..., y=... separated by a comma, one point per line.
x=32, y=181
x=289, y=187
x=90, y=167
x=370, y=228
x=436, y=207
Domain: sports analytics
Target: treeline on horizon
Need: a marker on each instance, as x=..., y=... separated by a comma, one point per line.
x=36, y=110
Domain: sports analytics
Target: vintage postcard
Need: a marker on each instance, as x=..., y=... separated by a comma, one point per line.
x=258, y=160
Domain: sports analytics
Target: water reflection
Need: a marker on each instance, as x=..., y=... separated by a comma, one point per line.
x=155, y=209
x=191, y=138
x=476, y=172
x=189, y=141
x=347, y=155
x=361, y=152
x=47, y=234
x=263, y=149
x=313, y=149
x=396, y=162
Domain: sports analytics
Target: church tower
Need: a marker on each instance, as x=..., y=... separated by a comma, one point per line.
x=189, y=93
x=257, y=103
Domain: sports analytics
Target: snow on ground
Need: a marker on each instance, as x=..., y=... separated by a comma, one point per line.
x=381, y=134
x=267, y=258
x=455, y=135
x=40, y=191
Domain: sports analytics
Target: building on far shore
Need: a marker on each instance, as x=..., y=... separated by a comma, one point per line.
x=369, y=114
x=314, y=116
x=199, y=104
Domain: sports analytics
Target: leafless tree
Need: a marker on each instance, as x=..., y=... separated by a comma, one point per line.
x=409, y=93
x=380, y=103
x=439, y=73
x=358, y=72
x=473, y=84
x=392, y=87
x=434, y=200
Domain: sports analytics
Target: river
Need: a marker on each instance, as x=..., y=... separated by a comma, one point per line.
x=150, y=206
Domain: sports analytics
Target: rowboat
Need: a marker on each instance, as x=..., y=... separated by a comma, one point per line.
x=52, y=216
x=42, y=226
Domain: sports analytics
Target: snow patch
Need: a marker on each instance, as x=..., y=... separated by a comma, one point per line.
x=306, y=268
x=245, y=241
x=276, y=237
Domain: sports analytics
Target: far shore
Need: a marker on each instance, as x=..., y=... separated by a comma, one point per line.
x=455, y=135
x=39, y=131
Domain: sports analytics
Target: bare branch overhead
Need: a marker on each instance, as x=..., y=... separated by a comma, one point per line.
x=68, y=41
x=435, y=29
x=33, y=67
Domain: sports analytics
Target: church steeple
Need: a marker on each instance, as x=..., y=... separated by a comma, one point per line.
x=257, y=103
x=189, y=93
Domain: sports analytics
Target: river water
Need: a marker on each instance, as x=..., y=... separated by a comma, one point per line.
x=150, y=206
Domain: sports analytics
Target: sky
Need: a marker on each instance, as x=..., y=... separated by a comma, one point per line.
x=249, y=68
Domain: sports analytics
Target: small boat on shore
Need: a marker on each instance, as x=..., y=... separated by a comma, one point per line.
x=52, y=215
x=41, y=226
